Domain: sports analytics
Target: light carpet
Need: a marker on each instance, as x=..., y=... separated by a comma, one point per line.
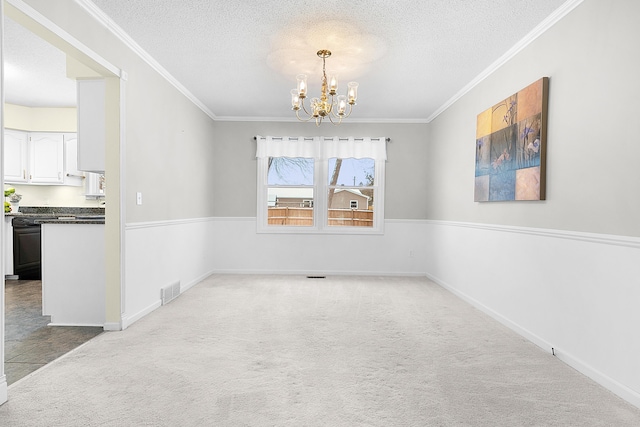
x=293, y=351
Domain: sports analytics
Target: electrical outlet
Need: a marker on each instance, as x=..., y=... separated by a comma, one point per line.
x=138, y=198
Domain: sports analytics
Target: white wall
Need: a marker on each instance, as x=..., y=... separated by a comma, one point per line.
x=564, y=272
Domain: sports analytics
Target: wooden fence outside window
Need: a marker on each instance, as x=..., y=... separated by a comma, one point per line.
x=304, y=217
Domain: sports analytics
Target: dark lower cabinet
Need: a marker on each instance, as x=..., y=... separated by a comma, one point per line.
x=27, y=252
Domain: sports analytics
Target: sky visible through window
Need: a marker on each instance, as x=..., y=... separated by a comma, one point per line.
x=353, y=172
x=290, y=171
x=299, y=171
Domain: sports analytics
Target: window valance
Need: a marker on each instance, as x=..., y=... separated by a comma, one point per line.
x=322, y=147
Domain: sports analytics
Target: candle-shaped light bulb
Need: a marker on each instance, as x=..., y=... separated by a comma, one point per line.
x=333, y=83
x=352, y=92
x=342, y=104
x=302, y=85
x=295, y=99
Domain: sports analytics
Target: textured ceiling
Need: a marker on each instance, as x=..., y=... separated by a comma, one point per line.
x=35, y=71
x=240, y=58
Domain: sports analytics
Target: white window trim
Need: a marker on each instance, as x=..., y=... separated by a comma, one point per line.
x=321, y=157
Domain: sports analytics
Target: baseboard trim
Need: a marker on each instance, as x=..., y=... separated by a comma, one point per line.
x=4, y=393
x=321, y=273
x=129, y=320
x=189, y=285
x=112, y=326
x=607, y=382
x=92, y=325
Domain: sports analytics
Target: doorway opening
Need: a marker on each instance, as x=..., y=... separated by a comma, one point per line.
x=22, y=324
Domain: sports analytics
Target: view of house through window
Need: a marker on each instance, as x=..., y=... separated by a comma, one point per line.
x=351, y=192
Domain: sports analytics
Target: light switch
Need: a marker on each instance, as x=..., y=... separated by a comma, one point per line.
x=138, y=198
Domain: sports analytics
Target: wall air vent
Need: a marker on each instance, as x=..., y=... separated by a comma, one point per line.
x=169, y=293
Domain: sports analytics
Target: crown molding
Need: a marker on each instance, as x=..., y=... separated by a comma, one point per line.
x=116, y=30
x=294, y=120
x=540, y=29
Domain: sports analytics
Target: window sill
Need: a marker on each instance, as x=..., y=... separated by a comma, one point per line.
x=351, y=231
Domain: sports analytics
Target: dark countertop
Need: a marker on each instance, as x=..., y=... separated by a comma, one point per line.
x=61, y=215
x=72, y=220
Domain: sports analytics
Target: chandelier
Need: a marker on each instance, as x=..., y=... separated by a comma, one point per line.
x=328, y=105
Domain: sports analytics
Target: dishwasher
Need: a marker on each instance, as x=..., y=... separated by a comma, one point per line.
x=27, y=250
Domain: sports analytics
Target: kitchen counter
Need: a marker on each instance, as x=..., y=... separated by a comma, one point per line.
x=73, y=261
x=60, y=215
x=98, y=219
x=57, y=211
x=73, y=272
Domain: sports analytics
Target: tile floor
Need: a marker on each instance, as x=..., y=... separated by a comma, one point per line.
x=29, y=342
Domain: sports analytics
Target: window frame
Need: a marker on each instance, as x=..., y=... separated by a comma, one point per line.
x=320, y=201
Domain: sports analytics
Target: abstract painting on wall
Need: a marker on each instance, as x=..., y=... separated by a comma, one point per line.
x=511, y=142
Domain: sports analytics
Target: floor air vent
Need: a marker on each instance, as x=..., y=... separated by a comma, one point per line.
x=316, y=277
x=170, y=293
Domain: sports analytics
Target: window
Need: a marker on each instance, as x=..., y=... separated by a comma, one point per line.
x=290, y=191
x=321, y=185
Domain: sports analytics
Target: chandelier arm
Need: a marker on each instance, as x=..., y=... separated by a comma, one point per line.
x=336, y=115
x=331, y=104
x=349, y=113
x=334, y=123
x=305, y=109
x=301, y=119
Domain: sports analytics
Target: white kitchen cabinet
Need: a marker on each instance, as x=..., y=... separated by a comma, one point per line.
x=46, y=158
x=15, y=156
x=72, y=175
x=91, y=125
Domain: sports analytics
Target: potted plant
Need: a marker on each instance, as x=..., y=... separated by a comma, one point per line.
x=14, y=200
